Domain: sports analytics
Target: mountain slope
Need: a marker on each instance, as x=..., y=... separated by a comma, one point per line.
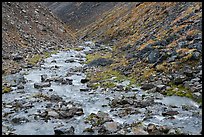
x=152, y=42
x=155, y=42
x=79, y=14
x=29, y=30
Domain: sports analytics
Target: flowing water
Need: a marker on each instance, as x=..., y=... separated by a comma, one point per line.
x=91, y=101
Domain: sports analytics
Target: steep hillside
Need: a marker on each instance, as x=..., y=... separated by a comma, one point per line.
x=79, y=14
x=29, y=33
x=153, y=42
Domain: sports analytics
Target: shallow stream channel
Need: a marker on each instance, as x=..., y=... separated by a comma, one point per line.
x=53, y=98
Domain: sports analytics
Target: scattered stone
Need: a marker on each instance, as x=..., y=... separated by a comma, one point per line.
x=43, y=77
x=53, y=114
x=111, y=126
x=159, y=88
x=20, y=86
x=69, y=60
x=55, y=98
x=53, y=61
x=64, y=131
x=84, y=89
x=19, y=120
x=84, y=80
x=164, y=129
x=41, y=85
x=172, y=132
x=170, y=113
x=147, y=86
x=139, y=131
x=151, y=128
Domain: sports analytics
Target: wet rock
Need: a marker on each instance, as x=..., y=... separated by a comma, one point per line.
x=98, y=119
x=69, y=60
x=53, y=114
x=111, y=126
x=164, y=129
x=84, y=89
x=101, y=62
x=19, y=120
x=71, y=112
x=53, y=61
x=170, y=113
x=55, y=98
x=84, y=80
x=151, y=128
x=147, y=86
x=159, y=88
x=67, y=81
x=76, y=111
x=20, y=86
x=64, y=131
x=139, y=131
x=172, y=132
x=41, y=85
x=43, y=77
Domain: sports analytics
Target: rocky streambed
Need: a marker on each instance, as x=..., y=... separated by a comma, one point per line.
x=54, y=99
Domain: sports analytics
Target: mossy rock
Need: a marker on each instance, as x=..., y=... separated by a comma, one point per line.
x=6, y=89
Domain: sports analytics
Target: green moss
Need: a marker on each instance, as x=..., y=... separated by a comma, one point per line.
x=6, y=89
x=108, y=84
x=48, y=54
x=91, y=57
x=181, y=91
x=35, y=59
x=77, y=48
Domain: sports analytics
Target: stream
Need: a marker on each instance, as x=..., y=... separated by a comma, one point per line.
x=52, y=99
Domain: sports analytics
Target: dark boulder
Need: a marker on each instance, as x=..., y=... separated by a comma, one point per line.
x=41, y=85
x=170, y=113
x=64, y=131
x=153, y=56
x=84, y=80
x=147, y=86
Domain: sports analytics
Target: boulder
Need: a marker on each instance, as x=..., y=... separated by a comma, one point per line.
x=170, y=113
x=43, y=77
x=64, y=131
x=84, y=80
x=153, y=56
x=147, y=86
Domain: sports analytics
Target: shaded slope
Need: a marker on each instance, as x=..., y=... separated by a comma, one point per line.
x=29, y=29
x=79, y=14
